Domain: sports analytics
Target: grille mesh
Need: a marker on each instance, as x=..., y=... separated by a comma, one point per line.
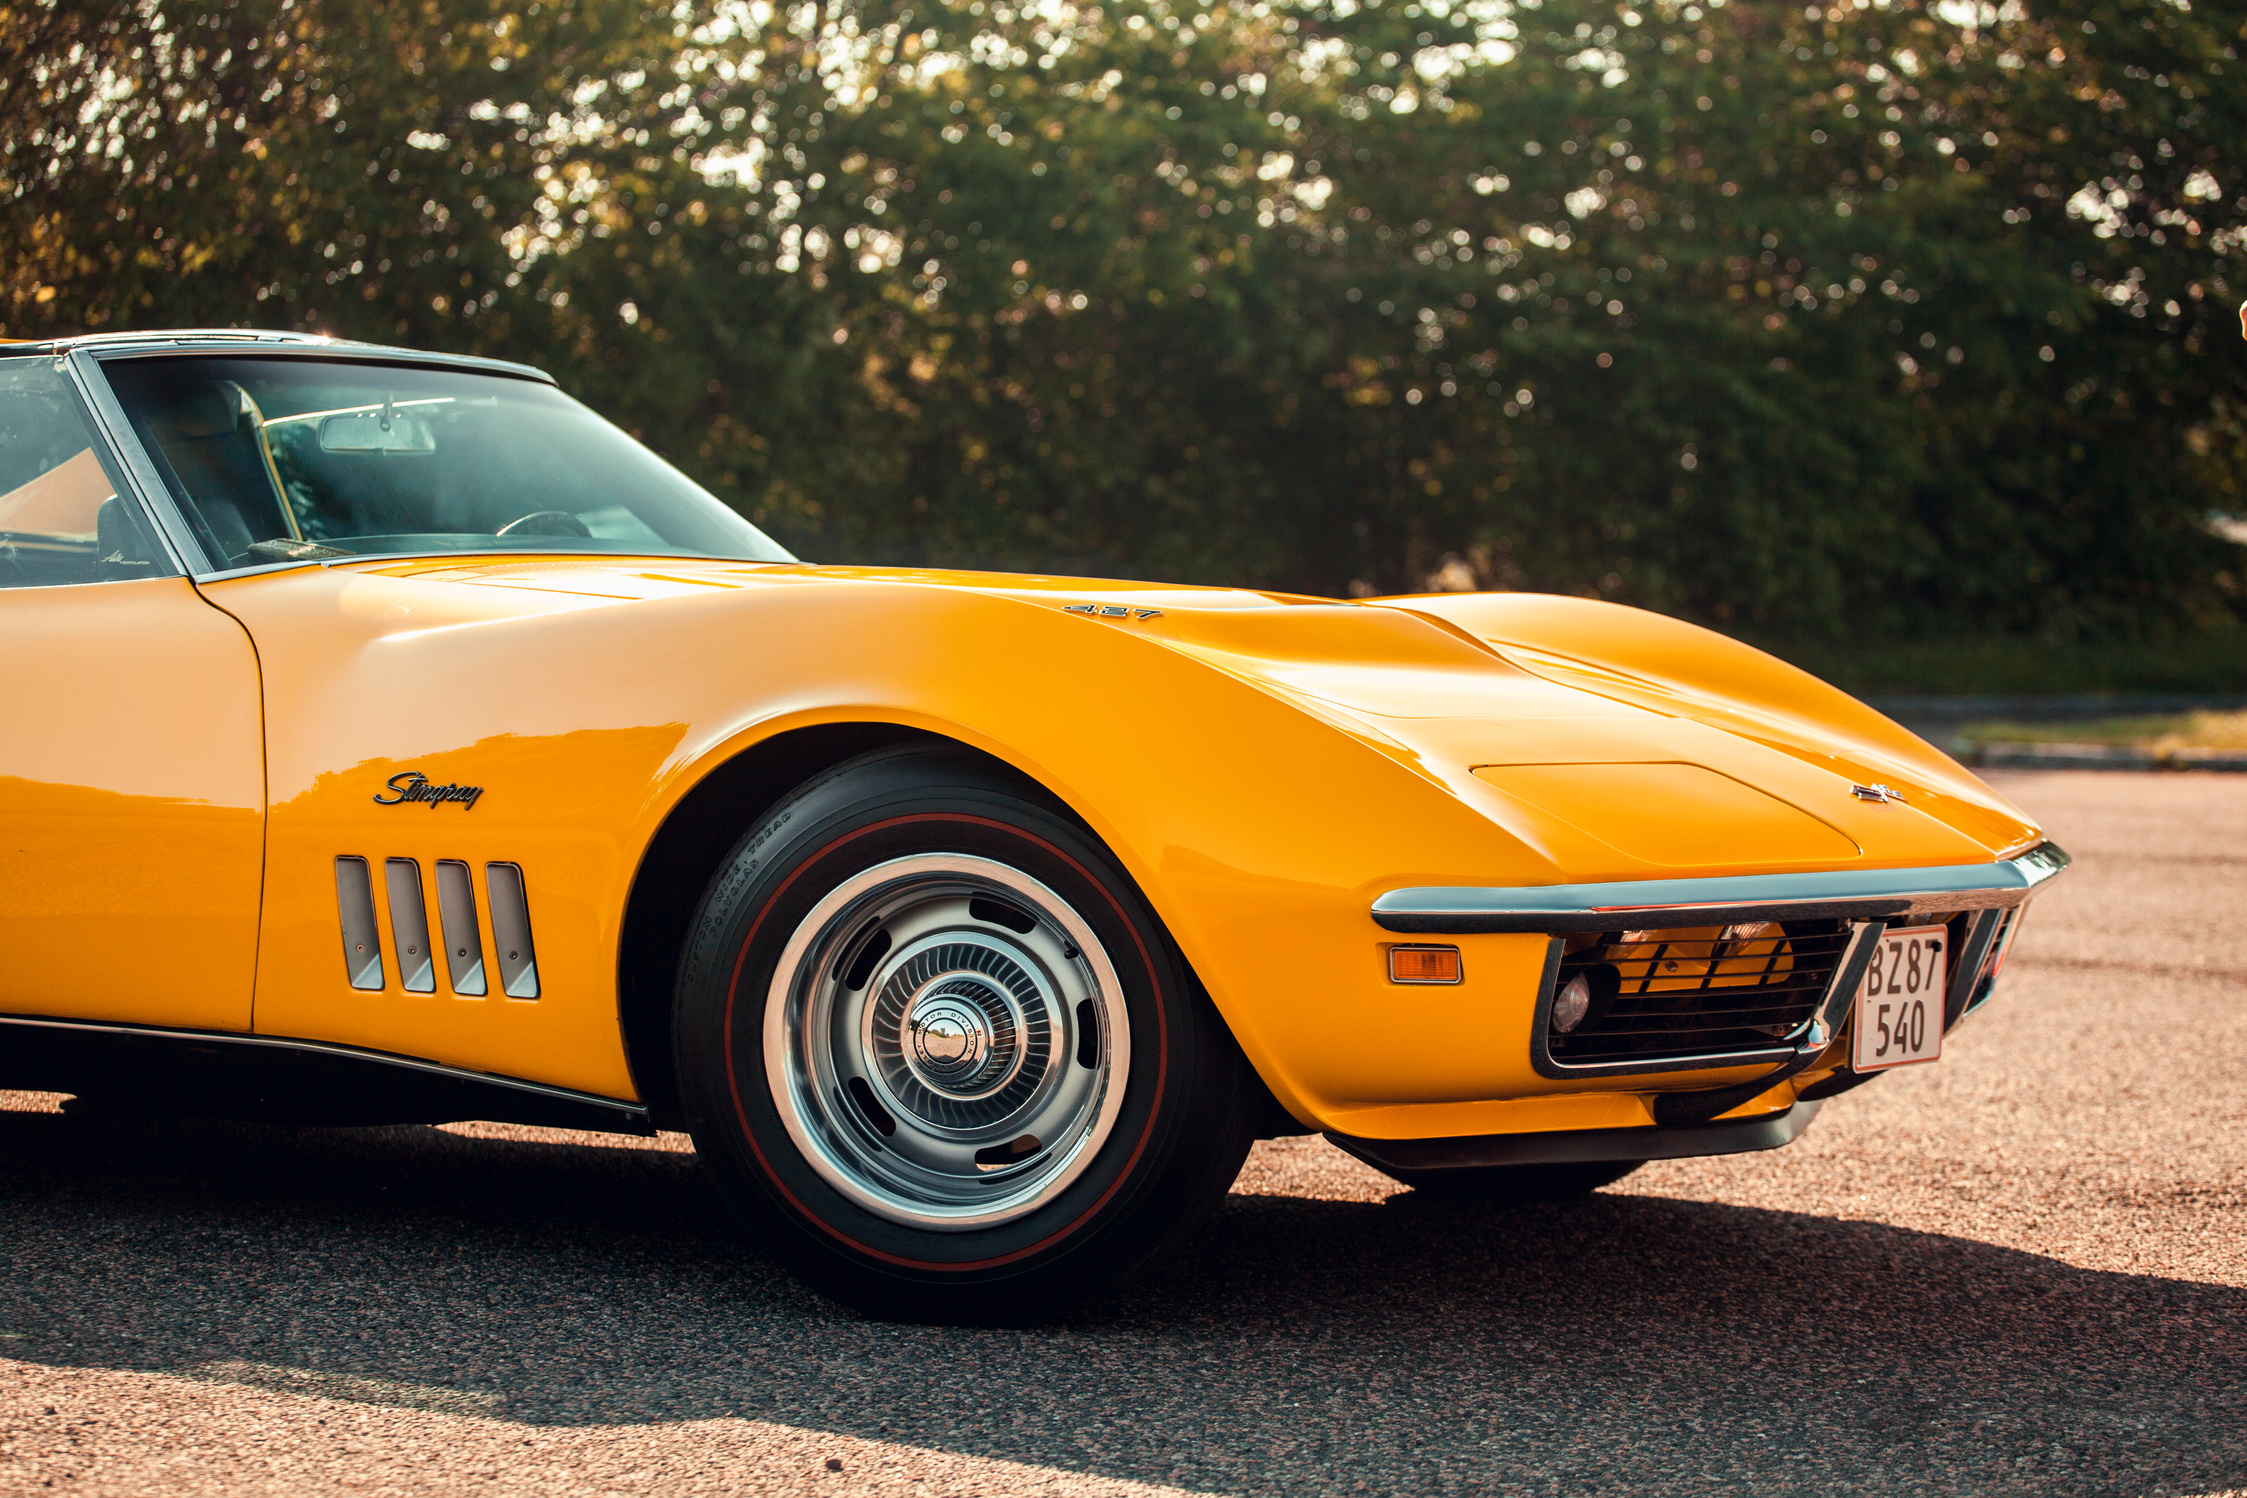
x=1674, y=994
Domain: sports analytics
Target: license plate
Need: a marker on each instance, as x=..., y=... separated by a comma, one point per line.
x=1900, y=1003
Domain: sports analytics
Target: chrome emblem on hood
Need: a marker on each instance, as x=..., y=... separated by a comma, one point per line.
x=1112, y=611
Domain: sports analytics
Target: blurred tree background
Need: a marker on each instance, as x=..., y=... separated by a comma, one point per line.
x=1853, y=328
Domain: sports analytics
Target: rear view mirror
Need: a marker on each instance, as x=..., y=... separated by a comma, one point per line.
x=384, y=431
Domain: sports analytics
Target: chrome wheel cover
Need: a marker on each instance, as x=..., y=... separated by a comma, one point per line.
x=934, y=1063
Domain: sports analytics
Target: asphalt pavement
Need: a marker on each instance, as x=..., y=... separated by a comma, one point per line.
x=2021, y=1270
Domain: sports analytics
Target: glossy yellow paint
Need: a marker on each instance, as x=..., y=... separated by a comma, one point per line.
x=1697, y=677
x=131, y=806
x=1263, y=766
x=1660, y=813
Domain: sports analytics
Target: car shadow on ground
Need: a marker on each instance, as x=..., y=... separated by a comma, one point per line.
x=1396, y=1346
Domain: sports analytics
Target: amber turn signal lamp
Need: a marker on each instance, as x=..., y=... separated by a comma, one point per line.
x=1424, y=965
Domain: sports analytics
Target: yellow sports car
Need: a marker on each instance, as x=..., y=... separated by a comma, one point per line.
x=390, y=739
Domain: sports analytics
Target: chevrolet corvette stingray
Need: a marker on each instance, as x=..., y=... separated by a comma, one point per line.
x=392, y=739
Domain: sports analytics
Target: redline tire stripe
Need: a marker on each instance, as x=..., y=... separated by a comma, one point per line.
x=733, y=1079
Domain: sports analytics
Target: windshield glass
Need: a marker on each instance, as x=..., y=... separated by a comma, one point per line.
x=280, y=459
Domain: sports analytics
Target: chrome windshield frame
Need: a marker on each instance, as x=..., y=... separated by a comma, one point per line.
x=155, y=500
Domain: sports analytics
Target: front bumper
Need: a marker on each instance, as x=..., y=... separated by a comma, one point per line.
x=1984, y=899
x=1846, y=894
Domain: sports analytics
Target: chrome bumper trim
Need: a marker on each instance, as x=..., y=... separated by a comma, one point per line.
x=1864, y=894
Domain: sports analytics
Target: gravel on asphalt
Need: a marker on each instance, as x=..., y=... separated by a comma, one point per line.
x=2020, y=1270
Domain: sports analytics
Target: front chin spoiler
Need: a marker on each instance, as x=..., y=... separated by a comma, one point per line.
x=1581, y=1146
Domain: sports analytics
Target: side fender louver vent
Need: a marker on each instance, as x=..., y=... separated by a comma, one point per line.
x=460, y=931
x=362, y=948
x=511, y=930
x=464, y=943
x=409, y=926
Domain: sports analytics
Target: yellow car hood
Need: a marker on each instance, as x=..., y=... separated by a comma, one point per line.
x=1615, y=730
x=1621, y=743
x=1666, y=744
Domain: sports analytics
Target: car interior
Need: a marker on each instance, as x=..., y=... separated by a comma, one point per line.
x=61, y=520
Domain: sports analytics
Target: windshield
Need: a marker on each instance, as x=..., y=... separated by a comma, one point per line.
x=281, y=459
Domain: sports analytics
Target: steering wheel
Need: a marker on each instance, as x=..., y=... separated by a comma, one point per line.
x=545, y=523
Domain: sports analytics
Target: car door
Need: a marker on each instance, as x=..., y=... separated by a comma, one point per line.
x=401, y=906
x=132, y=791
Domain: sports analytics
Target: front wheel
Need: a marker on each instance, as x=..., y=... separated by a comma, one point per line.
x=932, y=1040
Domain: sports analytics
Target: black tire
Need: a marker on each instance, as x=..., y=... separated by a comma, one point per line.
x=1502, y=1184
x=789, y=1153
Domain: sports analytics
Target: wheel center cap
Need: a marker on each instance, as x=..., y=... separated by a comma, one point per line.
x=948, y=1040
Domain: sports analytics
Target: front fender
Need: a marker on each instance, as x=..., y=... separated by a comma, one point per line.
x=587, y=703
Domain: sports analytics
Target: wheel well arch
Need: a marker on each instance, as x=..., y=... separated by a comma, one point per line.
x=685, y=853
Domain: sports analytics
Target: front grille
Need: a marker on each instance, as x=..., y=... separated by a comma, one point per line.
x=1701, y=991
x=1968, y=997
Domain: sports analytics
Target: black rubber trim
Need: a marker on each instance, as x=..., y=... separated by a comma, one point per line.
x=1582, y=1146
x=1688, y=1110
x=229, y=1074
x=1838, y=1083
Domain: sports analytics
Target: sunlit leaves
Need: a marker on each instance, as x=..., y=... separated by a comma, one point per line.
x=1841, y=318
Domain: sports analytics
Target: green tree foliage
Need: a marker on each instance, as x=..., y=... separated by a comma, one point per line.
x=1882, y=320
